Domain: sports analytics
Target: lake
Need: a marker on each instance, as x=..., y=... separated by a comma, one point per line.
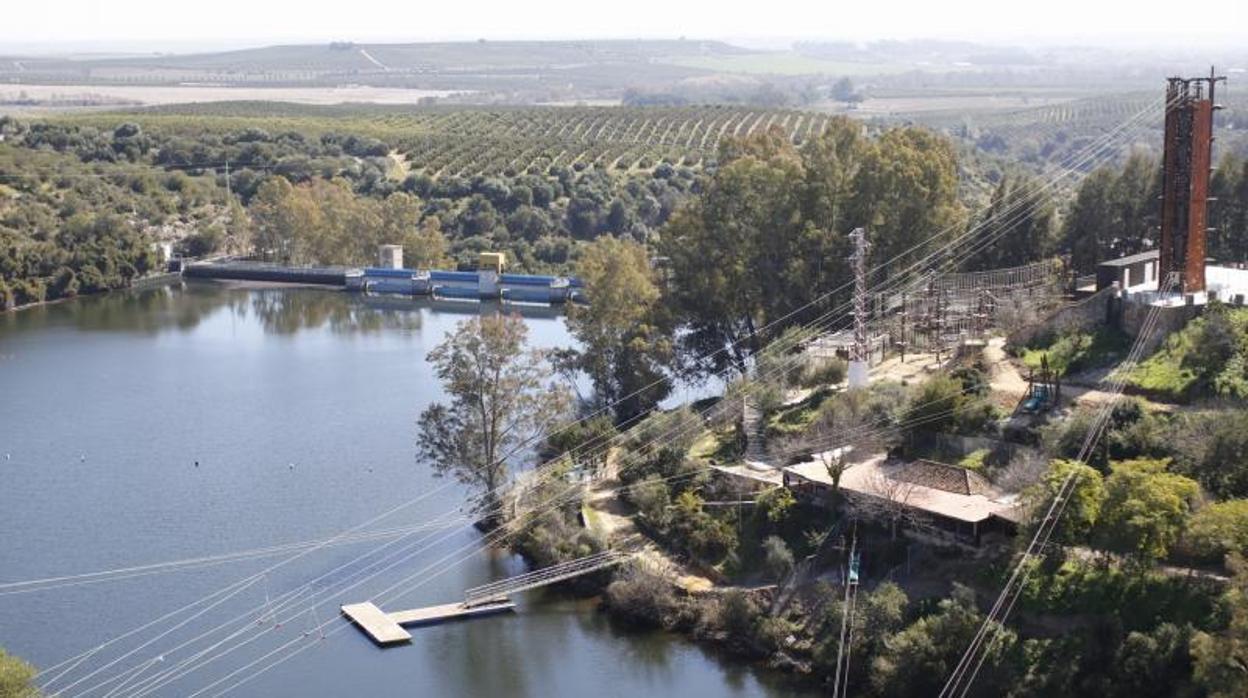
x=211, y=421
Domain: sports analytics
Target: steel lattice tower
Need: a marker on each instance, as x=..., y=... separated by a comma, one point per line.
x=860, y=352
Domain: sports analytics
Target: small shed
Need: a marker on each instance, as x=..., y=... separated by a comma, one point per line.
x=492, y=261
x=1132, y=270
x=390, y=257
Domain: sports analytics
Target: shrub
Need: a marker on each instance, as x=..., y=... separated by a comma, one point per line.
x=736, y=613
x=676, y=430
x=777, y=558
x=776, y=504
x=641, y=596
x=17, y=678
x=1078, y=351
x=821, y=372
x=652, y=498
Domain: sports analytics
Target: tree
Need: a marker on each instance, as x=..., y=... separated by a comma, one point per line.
x=652, y=499
x=727, y=250
x=1083, y=507
x=879, y=614
x=17, y=678
x=1220, y=458
x=1218, y=529
x=917, y=660
x=764, y=242
x=1144, y=509
x=1088, y=228
x=499, y=401
x=907, y=193
x=1020, y=220
x=1221, y=658
x=624, y=345
x=424, y=247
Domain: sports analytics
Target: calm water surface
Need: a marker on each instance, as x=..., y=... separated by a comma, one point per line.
x=298, y=405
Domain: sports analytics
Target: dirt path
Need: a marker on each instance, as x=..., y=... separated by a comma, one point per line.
x=1005, y=378
x=611, y=518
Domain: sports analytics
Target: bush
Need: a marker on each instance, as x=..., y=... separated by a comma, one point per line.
x=1078, y=351
x=642, y=597
x=653, y=499
x=676, y=430
x=17, y=678
x=777, y=558
x=701, y=535
x=736, y=613
x=821, y=372
x=1210, y=355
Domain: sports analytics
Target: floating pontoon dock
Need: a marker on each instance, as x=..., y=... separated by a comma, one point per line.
x=387, y=628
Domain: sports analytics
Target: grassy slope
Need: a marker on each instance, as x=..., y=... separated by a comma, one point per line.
x=1173, y=370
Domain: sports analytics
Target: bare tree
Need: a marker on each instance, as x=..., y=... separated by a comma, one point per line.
x=885, y=499
x=1024, y=470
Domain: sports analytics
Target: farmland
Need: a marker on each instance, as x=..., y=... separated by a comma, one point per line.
x=447, y=141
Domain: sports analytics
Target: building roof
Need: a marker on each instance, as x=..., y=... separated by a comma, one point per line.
x=1131, y=259
x=916, y=488
x=942, y=476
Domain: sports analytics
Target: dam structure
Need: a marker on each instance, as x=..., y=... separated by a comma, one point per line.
x=489, y=281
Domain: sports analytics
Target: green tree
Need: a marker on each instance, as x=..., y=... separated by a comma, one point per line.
x=499, y=401
x=1020, y=219
x=1221, y=658
x=1085, y=501
x=1218, y=455
x=1218, y=529
x=917, y=660
x=1144, y=509
x=425, y=247
x=624, y=345
x=879, y=614
x=729, y=251
x=1088, y=228
x=907, y=193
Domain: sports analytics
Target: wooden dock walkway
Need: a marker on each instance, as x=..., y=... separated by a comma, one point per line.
x=387, y=628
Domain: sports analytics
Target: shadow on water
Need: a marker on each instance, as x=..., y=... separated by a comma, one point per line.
x=652, y=650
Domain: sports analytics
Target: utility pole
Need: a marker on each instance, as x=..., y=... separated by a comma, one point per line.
x=860, y=353
x=905, y=314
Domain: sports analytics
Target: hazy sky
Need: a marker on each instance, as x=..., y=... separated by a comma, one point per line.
x=24, y=23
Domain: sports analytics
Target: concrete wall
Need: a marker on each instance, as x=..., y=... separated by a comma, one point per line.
x=1085, y=315
x=1170, y=319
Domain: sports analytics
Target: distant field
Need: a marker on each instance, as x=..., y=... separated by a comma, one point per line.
x=785, y=64
x=190, y=94
x=883, y=106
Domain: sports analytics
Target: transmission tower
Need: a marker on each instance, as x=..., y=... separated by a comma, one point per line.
x=860, y=353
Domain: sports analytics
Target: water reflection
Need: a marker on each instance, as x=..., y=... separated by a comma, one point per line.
x=183, y=306
x=285, y=312
x=147, y=311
